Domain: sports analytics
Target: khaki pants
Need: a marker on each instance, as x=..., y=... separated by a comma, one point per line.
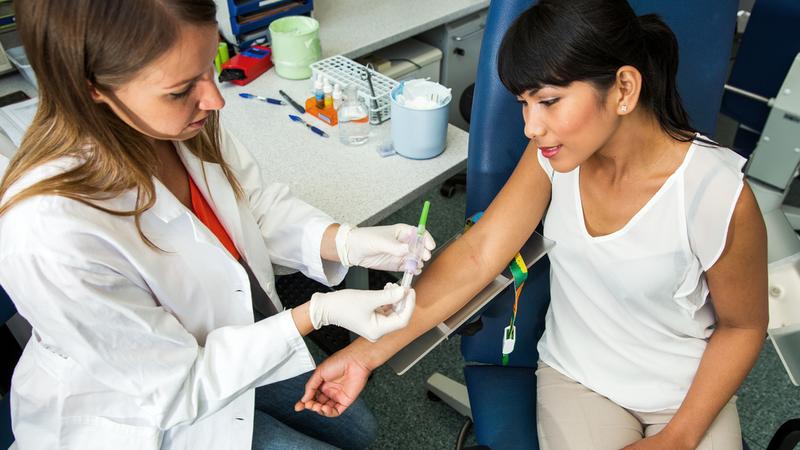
x=570, y=416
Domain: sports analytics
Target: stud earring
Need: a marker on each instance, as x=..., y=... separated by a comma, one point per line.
x=623, y=108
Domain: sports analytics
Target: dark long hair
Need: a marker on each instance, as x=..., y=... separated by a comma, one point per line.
x=556, y=42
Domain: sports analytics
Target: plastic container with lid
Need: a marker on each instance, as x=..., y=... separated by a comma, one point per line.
x=295, y=45
x=419, y=133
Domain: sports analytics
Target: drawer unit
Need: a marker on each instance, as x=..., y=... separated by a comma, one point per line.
x=460, y=42
x=243, y=22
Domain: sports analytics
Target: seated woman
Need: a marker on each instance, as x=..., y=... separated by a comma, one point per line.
x=658, y=275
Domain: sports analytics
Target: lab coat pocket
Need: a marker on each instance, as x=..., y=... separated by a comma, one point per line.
x=100, y=433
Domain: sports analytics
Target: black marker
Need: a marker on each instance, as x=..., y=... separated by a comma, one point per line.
x=299, y=108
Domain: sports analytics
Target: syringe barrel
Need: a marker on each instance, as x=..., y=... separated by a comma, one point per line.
x=406, y=283
x=411, y=262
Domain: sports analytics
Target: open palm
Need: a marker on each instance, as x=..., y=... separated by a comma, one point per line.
x=335, y=385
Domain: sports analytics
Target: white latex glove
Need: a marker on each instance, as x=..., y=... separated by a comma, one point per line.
x=382, y=248
x=360, y=311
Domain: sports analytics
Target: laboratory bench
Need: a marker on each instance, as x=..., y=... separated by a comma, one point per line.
x=355, y=28
x=352, y=184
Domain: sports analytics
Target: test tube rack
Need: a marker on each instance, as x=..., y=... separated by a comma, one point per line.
x=345, y=72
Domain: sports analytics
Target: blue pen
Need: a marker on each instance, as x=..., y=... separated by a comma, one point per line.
x=274, y=101
x=311, y=127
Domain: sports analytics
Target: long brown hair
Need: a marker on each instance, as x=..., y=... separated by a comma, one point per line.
x=72, y=44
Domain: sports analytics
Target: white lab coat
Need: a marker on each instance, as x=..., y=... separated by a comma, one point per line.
x=134, y=348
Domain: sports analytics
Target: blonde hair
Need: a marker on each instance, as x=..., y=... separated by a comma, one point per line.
x=72, y=44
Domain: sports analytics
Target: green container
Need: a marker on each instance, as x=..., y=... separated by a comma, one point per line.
x=295, y=45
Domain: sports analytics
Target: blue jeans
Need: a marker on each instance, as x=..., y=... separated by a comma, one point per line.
x=277, y=426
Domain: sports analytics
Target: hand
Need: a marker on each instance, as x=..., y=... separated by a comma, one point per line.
x=335, y=385
x=361, y=311
x=658, y=441
x=382, y=248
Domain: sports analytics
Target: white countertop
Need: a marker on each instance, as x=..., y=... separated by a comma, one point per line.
x=352, y=184
x=355, y=28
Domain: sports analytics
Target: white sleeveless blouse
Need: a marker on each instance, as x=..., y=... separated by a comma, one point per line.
x=628, y=316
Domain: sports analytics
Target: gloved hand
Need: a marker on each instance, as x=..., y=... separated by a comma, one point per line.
x=360, y=311
x=382, y=248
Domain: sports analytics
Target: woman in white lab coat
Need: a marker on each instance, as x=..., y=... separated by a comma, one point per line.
x=135, y=237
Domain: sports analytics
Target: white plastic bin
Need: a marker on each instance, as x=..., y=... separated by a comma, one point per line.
x=407, y=60
x=20, y=59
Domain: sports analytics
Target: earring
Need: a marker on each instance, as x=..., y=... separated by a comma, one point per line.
x=623, y=108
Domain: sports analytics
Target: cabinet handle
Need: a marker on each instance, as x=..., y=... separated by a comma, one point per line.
x=469, y=35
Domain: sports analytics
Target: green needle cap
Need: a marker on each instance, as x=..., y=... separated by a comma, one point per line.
x=423, y=218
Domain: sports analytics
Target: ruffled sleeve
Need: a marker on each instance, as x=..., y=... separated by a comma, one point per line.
x=712, y=184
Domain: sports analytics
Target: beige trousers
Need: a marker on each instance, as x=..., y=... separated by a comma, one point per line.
x=571, y=416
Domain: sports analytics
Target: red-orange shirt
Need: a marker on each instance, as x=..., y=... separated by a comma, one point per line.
x=203, y=211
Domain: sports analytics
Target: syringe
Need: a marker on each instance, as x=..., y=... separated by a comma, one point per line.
x=417, y=247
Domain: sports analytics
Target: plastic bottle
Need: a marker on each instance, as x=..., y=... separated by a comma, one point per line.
x=319, y=95
x=337, y=96
x=353, y=119
x=328, y=94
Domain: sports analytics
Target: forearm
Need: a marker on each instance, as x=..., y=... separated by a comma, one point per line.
x=473, y=260
x=444, y=287
x=728, y=358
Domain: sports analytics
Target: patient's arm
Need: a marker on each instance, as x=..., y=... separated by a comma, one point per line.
x=457, y=275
